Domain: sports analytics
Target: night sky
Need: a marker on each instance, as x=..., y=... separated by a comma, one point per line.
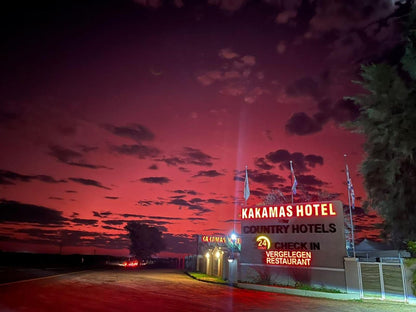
x=113, y=111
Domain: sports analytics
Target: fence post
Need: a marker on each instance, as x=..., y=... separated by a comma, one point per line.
x=380, y=271
x=404, y=279
x=353, y=275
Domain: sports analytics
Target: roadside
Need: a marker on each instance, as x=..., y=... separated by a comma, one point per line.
x=294, y=291
x=10, y=274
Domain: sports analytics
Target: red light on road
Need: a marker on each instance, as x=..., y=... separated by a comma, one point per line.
x=130, y=264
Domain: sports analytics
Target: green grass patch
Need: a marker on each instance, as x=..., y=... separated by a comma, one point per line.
x=411, y=265
x=206, y=278
x=322, y=289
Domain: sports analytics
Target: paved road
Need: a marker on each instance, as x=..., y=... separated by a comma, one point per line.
x=158, y=290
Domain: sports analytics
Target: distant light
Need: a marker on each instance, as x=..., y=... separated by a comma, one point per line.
x=207, y=255
x=230, y=260
x=217, y=254
x=233, y=237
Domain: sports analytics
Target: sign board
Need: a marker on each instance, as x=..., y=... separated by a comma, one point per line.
x=300, y=235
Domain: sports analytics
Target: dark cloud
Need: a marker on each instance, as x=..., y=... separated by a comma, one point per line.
x=114, y=222
x=111, y=197
x=47, y=179
x=324, y=111
x=89, y=182
x=197, y=219
x=258, y=193
x=215, y=201
x=128, y=215
x=345, y=110
x=189, y=156
x=70, y=191
x=55, y=198
x=8, y=178
x=197, y=157
x=179, y=202
x=239, y=177
x=71, y=157
x=302, y=124
x=138, y=150
x=173, y=161
x=106, y=227
x=86, y=148
x=195, y=207
x=196, y=200
x=301, y=162
x=146, y=203
x=262, y=164
x=13, y=211
x=199, y=210
x=153, y=167
x=266, y=178
x=341, y=111
x=178, y=196
x=103, y=214
x=309, y=180
x=163, y=218
x=183, y=169
x=208, y=173
x=155, y=180
x=190, y=192
x=304, y=87
x=313, y=160
x=64, y=155
x=84, y=221
x=136, y=132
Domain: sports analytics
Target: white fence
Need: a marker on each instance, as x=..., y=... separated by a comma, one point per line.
x=383, y=280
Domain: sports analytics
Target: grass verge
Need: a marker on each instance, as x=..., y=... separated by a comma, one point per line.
x=206, y=278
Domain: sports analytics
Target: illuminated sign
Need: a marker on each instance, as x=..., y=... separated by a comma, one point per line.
x=300, y=242
x=219, y=239
x=292, y=228
x=289, y=211
x=287, y=257
x=290, y=257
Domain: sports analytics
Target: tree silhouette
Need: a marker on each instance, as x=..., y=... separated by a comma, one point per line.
x=145, y=240
x=388, y=121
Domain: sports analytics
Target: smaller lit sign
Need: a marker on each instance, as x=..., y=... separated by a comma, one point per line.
x=219, y=239
x=263, y=242
x=288, y=257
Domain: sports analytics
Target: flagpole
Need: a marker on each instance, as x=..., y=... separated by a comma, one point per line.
x=349, y=205
x=245, y=190
x=291, y=180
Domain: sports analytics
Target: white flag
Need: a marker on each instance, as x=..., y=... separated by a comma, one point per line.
x=295, y=182
x=246, y=187
x=350, y=187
